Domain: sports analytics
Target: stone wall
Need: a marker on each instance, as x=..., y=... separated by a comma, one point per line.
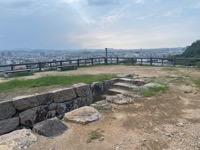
x=25, y=111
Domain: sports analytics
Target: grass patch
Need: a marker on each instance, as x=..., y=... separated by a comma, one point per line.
x=94, y=135
x=19, y=74
x=155, y=90
x=197, y=82
x=53, y=80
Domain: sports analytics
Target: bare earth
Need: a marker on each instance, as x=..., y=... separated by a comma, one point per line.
x=169, y=121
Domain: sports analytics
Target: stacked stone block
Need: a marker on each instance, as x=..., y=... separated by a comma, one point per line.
x=26, y=111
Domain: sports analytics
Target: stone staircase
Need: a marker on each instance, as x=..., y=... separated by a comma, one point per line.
x=127, y=86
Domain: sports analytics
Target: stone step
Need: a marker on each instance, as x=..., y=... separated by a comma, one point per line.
x=122, y=85
x=115, y=91
x=137, y=82
x=127, y=87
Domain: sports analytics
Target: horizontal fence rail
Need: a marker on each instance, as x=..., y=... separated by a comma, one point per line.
x=52, y=65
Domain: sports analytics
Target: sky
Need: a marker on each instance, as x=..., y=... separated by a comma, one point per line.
x=77, y=24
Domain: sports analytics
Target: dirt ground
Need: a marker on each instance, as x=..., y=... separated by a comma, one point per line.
x=168, y=121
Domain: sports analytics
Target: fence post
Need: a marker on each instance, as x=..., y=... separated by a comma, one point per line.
x=50, y=65
x=60, y=63
x=12, y=67
x=92, y=61
x=105, y=60
x=162, y=61
x=132, y=61
x=117, y=60
x=78, y=61
x=151, y=61
x=141, y=61
x=174, y=62
x=40, y=66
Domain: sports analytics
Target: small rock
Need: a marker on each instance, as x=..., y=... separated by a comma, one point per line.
x=120, y=99
x=102, y=105
x=180, y=124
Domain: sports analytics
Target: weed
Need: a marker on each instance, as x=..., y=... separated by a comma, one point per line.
x=155, y=90
x=94, y=135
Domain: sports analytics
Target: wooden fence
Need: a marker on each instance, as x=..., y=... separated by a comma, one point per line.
x=52, y=65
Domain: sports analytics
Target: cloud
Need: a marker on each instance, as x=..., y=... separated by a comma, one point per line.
x=102, y=2
x=172, y=13
x=139, y=1
x=111, y=18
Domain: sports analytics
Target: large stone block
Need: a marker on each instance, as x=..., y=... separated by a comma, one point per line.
x=63, y=95
x=25, y=102
x=51, y=114
x=82, y=89
x=8, y=125
x=61, y=108
x=97, y=88
x=74, y=104
x=50, y=128
x=108, y=84
x=44, y=98
x=7, y=109
x=34, y=115
x=53, y=106
x=88, y=99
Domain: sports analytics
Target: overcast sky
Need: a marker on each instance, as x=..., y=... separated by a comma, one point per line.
x=65, y=24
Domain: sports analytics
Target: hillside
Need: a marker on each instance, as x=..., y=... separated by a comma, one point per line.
x=192, y=51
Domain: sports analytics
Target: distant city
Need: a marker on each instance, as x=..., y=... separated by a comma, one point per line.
x=27, y=56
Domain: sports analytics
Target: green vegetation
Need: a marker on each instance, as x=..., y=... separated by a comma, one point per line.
x=192, y=51
x=53, y=80
x=19, y=74
x=197, y=82
x=154, y=90
x=94, y=135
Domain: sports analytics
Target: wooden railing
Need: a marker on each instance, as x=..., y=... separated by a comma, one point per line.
x=51, y=65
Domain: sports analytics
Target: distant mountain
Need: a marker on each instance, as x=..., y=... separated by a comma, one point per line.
x=192, y=51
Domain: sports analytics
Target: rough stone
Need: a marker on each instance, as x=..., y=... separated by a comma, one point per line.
x=63, y=95
x=53, y=106
x=34, y=115
x=108, y=84
x=120, y=99
x=102, y=105
x=83, y=115
x=45, y=98
x=81, y=101
x=51, y=114
x=61, y=108
x=17, y=140
x=88, y=100
x=82, y=89
x=72, y=105
x=97, y=88
x=8, y=125
x=50, y=128
x=25, y=102
x=7, y=110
